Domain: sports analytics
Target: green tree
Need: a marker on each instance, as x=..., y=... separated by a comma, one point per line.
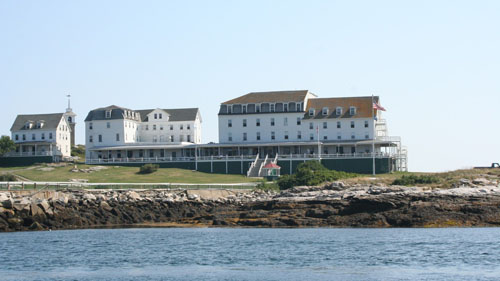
x=6, y=145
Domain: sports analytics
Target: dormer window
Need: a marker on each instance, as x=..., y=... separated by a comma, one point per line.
x=40, y=124
x=272, y=107
x=229, y=109
x=244, y=109
x=352, y=110
x=257, y=108
x=108, y=113
x=311, y=111
x=325, y=111
x=338, y=110
x=28, y=125
x=159, y=116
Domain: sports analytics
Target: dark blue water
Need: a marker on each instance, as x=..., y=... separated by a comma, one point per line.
x=252, y=254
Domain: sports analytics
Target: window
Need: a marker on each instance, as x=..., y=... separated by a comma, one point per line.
x=155, y=139
x=258, y=135
x=273, y=135
x=229, y=123
x=17, y=137
x=171, y=138
x=338, y=110
x=50, y=136
x=367, y=136
x=229, y=109
x=33, y=137
x=339, y=137
x=299, y=121
x=108, y=114
x=182, y=127
x=100, y=138
x=285, y=107
x=325, y=137
x=171, y=127
x=311, y=125
x=108, y=125
x=154, y=127
x=161, y=127
x=151, y=153
x=352, y=124
x=366, y=124
x=91, y=139
x=43, y=136
x=188, y=127
x=244, y=109
x=147, y=127
x=244, y=122
x=24, y=137
x=352, y=110
x=257, y=122
x=325, y=125
x=160, y=116
x=286, y=135
x=188, y=138
x=353, y=149
x=156, y=116
x=244, y=136
x=117, y=137
x=272, y=121
x=285, y=121
x=272, y=107
x=325, y=111
x=311, y=111
x=257, y=108
x=311, y=136
x=299, y=135
x=229, y=136
x=338, y=125
x=353, y=136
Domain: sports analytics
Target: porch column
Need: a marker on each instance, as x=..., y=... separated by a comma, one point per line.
x=21, y=149
x=35, y=149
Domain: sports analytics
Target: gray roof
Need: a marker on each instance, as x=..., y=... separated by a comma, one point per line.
x=99, y=113
x=51, y=121
x=178, y=114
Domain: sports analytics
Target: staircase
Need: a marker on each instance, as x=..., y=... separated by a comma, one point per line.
x=255, y=168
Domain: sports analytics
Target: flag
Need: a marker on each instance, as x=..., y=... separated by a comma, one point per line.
x=378, y=107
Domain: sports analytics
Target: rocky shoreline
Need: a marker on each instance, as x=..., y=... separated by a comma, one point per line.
x=332, y=205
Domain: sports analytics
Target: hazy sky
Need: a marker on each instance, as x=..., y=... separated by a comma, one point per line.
x=435, y=64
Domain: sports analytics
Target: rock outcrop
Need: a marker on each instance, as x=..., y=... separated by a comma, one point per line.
x=332, y=205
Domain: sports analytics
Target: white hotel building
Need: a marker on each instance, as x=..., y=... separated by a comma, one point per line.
x=121, y=134
x=283, y=127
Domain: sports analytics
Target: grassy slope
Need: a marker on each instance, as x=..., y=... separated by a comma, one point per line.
x=129, y=175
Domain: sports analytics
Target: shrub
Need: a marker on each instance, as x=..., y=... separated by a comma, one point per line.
x=267, y=186
x=414, y=180
x=149, y=168
x=7, y=177
x=311, y=173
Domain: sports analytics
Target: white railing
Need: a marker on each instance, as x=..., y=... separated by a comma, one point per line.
x=25, y=154
x=275, y=159
x=252, y=165
x=337, y=155
x=169, y=159
x=262, y=164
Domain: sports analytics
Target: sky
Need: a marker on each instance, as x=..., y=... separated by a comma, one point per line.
x=434, y=64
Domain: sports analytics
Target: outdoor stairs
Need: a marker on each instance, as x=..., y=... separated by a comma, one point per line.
x=255, y=169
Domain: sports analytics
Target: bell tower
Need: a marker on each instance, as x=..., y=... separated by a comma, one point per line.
x=70, y=117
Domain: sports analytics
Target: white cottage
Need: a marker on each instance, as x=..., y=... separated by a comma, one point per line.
x=41, y=135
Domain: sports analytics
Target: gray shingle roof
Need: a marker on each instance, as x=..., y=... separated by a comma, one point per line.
x=51, y=121
x=178, y=114
x=276, y=96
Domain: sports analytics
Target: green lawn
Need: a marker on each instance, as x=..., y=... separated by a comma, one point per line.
x=115, y=174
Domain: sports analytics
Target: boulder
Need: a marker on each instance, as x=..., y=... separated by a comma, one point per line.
x=193, y=196
x=4, y=197
x=481, y=181
x=105, y=206
x=89, y=196
x=132, y=195
x=45, y=206
x=23, y=204
x=36, y=226
x=36, y=210
x=8, y=204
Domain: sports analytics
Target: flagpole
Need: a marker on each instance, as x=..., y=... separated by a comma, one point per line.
x=373, y=139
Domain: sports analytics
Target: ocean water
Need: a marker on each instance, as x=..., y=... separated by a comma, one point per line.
x=252, y=254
